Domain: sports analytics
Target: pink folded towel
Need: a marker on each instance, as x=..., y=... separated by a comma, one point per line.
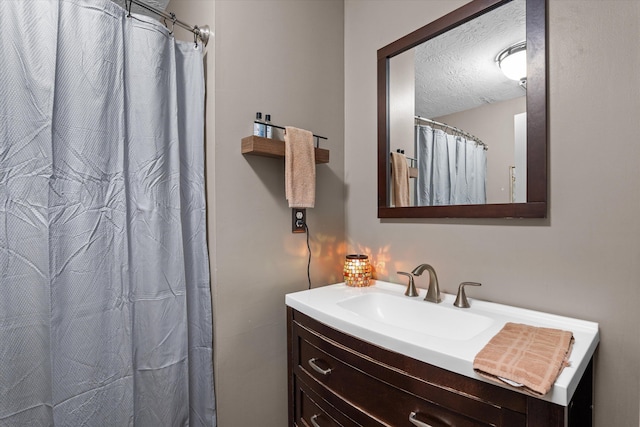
x=299, y=168
x=525, y=356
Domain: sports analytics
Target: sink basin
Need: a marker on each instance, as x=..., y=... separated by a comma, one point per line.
x=439, y=334
x=418, y=316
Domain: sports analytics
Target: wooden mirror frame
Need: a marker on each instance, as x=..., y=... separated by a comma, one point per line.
x=536, y=205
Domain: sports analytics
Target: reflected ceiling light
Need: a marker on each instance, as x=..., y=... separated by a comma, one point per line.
x=513, y=62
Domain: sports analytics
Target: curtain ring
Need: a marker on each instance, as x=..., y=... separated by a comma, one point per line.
x=196, y=31
x=129, y=8
x=173, y=22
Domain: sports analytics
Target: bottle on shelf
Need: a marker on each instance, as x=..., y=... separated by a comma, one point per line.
x=259, y=126
x=269, y=128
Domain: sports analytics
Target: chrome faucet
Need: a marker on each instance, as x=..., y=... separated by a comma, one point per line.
x=461, y=298
x=411, y=287
x=433, y=292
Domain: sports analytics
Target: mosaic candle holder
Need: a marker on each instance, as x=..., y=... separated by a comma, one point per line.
x=357, y=271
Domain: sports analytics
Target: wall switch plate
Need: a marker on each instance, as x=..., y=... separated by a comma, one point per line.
x=298, y=220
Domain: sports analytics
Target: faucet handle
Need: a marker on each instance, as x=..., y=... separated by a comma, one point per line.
x=411, y=287
x=461, y=298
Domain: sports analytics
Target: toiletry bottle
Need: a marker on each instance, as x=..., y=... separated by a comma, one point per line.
x=258, y=126
x=269, y=132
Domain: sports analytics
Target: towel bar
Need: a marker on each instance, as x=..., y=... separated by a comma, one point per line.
x=316, y=137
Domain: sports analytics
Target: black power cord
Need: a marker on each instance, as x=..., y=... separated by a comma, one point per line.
x=306, y=230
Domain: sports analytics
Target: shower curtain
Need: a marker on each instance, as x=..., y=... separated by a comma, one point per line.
x=451, y=169
x=105, y=306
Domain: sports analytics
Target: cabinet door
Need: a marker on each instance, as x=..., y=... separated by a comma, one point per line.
x=312, y=414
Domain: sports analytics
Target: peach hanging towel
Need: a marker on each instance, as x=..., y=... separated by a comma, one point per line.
x=299, y=168
x=400, y=180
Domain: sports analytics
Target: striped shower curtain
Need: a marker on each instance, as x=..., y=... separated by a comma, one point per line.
x=105, y=305
x=451, y=169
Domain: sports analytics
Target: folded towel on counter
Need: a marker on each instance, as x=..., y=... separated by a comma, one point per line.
x=400, y=180
x=525, y=356
x=299, y=168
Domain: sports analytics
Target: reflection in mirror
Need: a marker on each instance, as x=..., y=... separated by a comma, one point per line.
x=454, y=111
x=460, y=121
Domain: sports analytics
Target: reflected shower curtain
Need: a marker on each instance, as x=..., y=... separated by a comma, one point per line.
x=451, y=169
x=105, y=307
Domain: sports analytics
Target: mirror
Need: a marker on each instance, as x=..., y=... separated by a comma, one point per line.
x=465, y=159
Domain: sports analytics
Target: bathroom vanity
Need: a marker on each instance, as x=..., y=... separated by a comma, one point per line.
x=353, y=361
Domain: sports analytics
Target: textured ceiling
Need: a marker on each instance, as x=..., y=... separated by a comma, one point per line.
x=456, y=71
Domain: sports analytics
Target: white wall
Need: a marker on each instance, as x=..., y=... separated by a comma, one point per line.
x=582, y=261
x=402, y=101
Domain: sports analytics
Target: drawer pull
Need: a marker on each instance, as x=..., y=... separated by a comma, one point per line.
x=314, y=423
x=415, y=422
x=318, y=369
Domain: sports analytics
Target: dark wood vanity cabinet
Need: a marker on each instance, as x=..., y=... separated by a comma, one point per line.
x=338, y=380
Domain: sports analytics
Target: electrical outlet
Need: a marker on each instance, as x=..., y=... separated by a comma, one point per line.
x=299, y=220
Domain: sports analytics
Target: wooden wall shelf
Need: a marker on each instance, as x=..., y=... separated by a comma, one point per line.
x=266, y=147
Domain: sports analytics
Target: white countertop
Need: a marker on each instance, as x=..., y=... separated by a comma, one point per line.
x=452, y=354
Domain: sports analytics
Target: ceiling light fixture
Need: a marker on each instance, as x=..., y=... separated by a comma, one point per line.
x=513, y=62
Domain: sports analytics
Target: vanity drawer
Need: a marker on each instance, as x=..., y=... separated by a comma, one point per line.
x=386, y=393
x=315, y=399
x=312, y=414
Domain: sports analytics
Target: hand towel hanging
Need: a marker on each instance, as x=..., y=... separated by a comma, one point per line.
x=400, y=179
x=299, y=168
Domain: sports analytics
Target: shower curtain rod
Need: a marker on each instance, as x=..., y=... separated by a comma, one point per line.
x=203, y=33
x=455, y=129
